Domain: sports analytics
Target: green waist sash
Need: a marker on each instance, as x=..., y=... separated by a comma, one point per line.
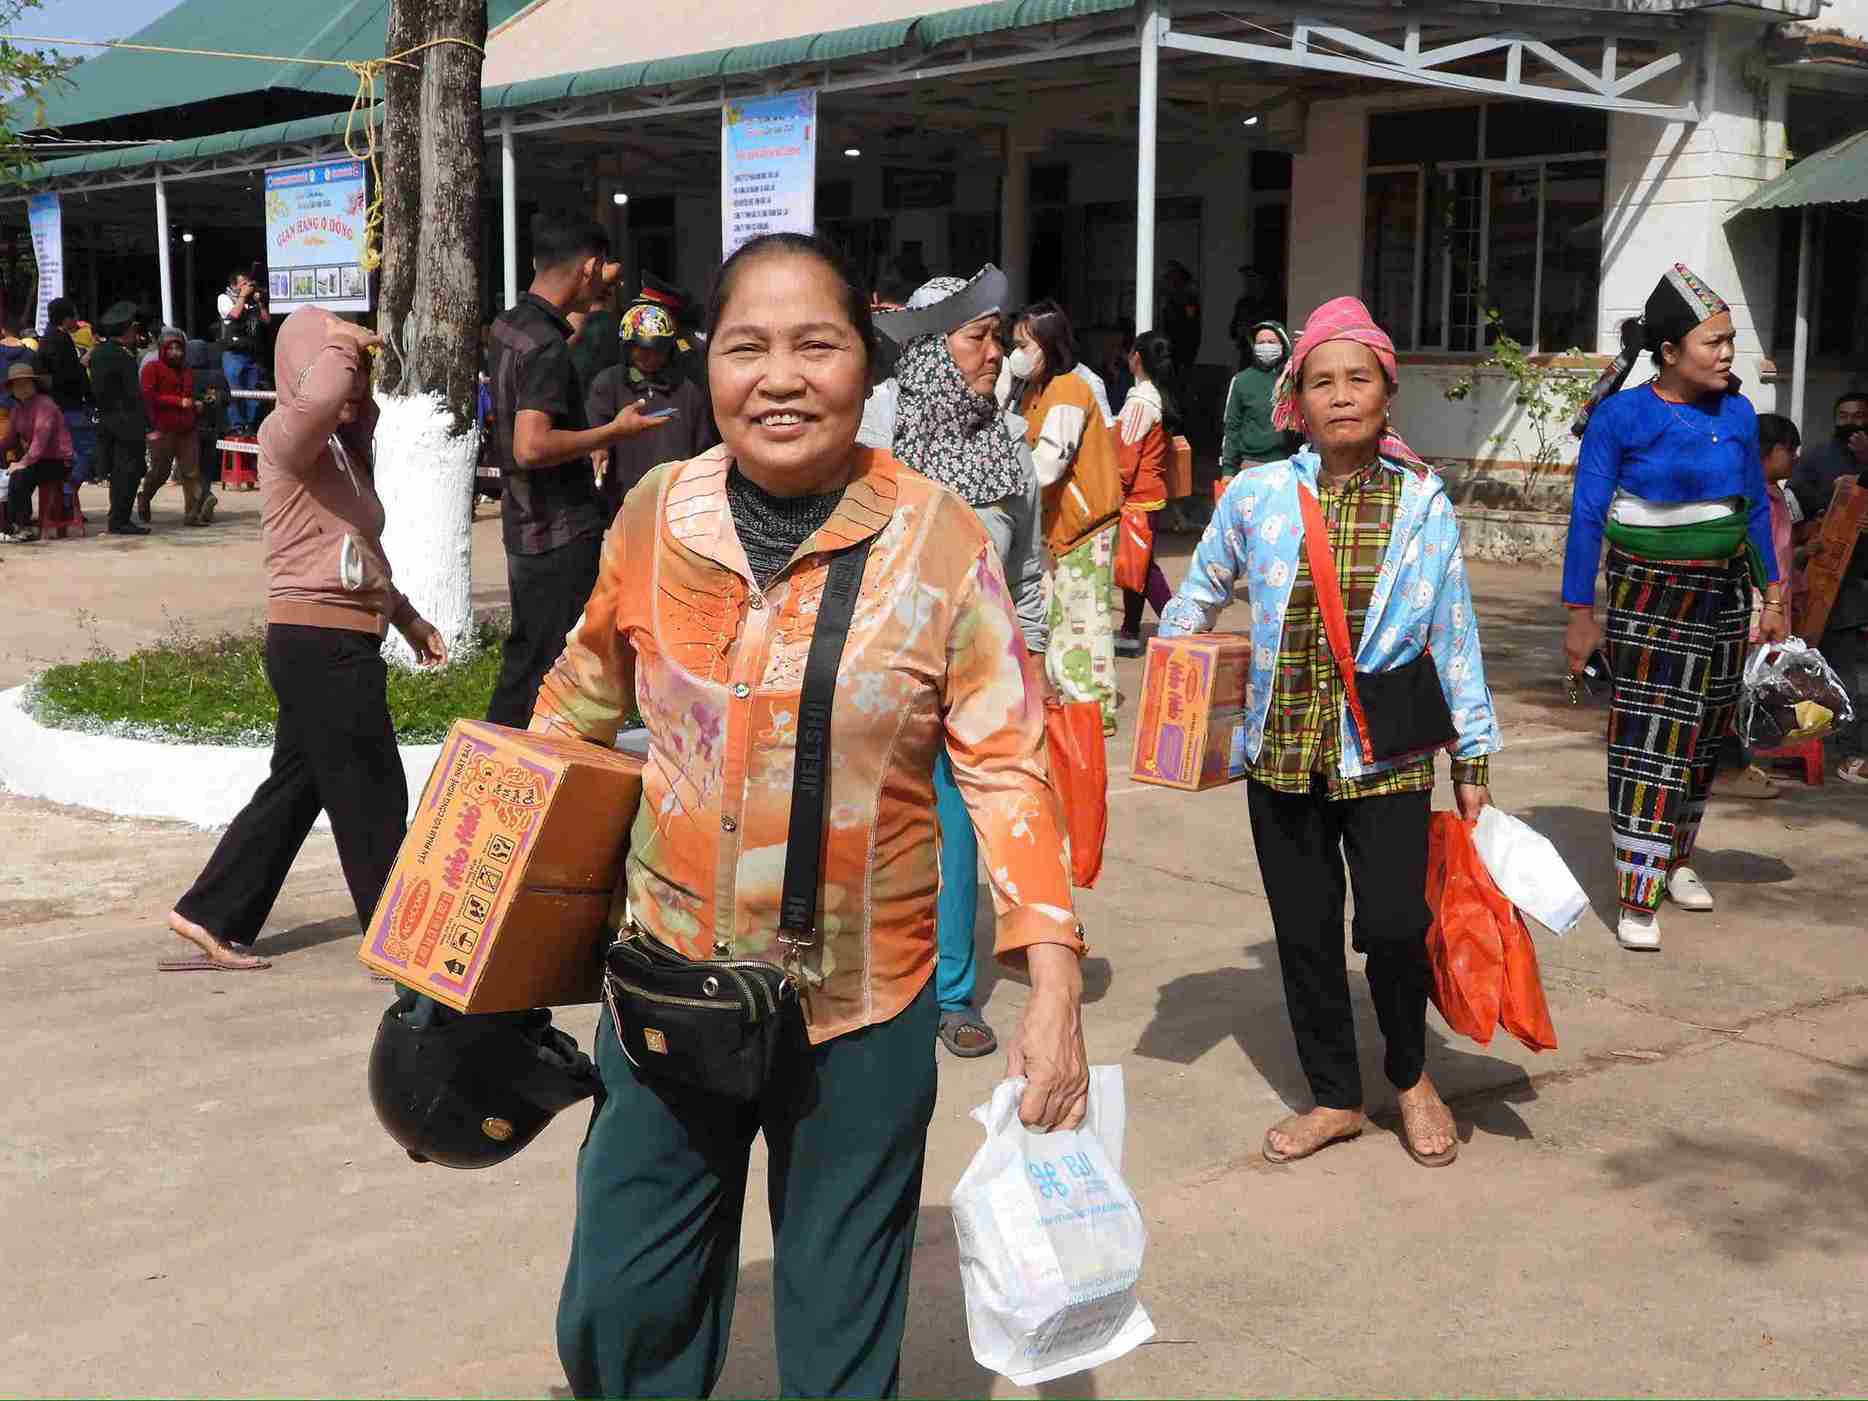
x=1722, y=537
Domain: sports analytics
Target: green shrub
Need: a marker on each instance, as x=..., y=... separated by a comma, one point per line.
x=191, y=690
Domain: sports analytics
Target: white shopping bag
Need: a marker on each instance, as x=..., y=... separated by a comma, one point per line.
x=1528, y=870
x=1051, y=1241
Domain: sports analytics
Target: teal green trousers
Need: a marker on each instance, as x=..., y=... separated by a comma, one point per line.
x=661, y=1189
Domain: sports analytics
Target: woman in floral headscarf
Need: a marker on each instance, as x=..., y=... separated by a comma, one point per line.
x=1313, y=795
x=949, y=428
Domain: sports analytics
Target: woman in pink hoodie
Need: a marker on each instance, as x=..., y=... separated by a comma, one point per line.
x=329, y=600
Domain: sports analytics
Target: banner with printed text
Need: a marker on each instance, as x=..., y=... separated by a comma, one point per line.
x=48, y=250
x=315, y=218
x=768, y=167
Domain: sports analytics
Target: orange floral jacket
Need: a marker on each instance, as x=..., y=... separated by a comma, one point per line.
x=714, y=664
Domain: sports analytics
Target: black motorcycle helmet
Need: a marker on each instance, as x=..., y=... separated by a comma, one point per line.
x=471, y=1091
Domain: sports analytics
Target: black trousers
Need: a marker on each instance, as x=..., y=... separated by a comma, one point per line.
x=334, y=751
x=121, y=462
x=549, y=592
x=1303, y=840
x=22, y=482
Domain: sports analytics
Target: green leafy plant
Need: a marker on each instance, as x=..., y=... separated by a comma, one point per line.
x=25, y=75
x=1547, y=395
x=193, y=690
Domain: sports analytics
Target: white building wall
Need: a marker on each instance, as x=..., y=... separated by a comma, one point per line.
x=1671, y=184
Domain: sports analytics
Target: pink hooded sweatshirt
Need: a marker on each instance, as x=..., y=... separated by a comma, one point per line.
x=322, y=519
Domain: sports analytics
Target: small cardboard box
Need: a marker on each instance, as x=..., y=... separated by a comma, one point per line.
x=1191, y=733
x=500, y=896
x=1179, y=472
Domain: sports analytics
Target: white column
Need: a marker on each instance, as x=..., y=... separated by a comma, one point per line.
x=1015, y=220
x=162, y=251
x=509, y=210
x=1145, y=166
x=1800, y=356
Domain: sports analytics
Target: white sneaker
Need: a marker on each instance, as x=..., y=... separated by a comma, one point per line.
x=1639, y=930
x=1687, y=890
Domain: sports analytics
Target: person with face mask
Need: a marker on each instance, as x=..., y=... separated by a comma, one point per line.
x=552, y=514
x=1073, y=456
x=1669, y=474
x=169, y=399
x=1250, y=437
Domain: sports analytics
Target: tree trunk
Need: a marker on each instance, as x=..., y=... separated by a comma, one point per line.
x=427, y=440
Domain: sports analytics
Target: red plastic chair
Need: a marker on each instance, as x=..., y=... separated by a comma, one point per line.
x=1807, y=752
x=239, y=469
x=55, y=514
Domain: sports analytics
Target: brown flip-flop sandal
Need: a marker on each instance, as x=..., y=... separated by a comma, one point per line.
x=201, y=963
x=1272, y=1155
x=1431, y=1160
x=957, y=1025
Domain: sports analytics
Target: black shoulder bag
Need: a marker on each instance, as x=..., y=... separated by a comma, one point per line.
x=723, y=1026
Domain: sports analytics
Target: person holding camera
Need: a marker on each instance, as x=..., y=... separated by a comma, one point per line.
x=245, y=320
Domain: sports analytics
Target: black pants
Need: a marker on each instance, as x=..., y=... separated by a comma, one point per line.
x=648, y=1296
x=121, y=462
x=549, y=592
x=1302, y=841
x=334, y=751
x=22, y=482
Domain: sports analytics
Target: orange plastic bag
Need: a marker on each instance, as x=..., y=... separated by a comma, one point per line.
x=1080, y=772
x=1465, y=948
x=1483, y=962
x=1522, y=1009
x=1135, y=548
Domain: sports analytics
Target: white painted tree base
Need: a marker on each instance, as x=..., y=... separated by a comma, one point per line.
x=202, y=784
x=425, y=477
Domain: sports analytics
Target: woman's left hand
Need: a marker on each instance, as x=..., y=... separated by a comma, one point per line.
x=430, y=648
x=1773, y=624
x=1047, y=1049
x=1471, y=797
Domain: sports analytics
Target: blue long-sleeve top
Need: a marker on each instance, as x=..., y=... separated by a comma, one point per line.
x=1668, y=453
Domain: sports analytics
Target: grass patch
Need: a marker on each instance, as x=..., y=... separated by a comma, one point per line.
x=192, y=690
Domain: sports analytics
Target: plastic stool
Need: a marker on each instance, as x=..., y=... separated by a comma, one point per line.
x=239, y=469
x=1807, y=752
x=55, y=513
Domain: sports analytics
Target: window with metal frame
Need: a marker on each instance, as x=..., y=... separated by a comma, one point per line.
x=1509, y=228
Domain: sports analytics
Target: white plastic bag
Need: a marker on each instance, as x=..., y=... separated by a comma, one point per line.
x=1528, y=870
x=1051, y=1241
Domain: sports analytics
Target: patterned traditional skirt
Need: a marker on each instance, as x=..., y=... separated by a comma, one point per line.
x=1676, y=639
x=1081, y=657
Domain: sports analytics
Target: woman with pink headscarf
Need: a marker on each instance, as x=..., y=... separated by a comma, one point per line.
x=1338, y=775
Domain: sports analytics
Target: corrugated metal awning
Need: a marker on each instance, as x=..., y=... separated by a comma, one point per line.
x=1837, y=175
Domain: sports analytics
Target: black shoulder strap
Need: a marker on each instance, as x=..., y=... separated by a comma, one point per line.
x=810, y=774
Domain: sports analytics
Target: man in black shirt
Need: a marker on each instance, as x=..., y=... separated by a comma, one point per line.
x=552, y=516
x=122, y=421
x=70, y=385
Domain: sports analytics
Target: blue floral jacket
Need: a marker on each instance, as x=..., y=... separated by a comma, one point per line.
x=1421, y=598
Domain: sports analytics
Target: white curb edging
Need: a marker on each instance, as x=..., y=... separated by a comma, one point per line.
x=202, y=784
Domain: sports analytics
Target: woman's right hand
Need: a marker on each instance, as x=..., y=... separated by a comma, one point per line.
x=1581, y=638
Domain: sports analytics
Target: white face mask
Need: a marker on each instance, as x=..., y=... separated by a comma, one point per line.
x=1024, y=362
x=1267, y=355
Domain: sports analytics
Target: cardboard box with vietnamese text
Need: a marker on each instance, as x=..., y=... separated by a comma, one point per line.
x=500, y=897
x=1191, y=730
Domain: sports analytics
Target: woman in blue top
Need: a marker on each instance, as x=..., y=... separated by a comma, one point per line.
x=1669, y=475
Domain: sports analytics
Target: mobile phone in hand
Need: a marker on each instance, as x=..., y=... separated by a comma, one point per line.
x=657, y=415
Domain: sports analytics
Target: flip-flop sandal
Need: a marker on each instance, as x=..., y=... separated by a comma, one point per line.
x=955, y=1025
x=1272, y=1155
x=1432, y=1160
x=201, y=963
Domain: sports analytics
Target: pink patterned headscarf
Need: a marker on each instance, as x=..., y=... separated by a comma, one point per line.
x=1342, y=319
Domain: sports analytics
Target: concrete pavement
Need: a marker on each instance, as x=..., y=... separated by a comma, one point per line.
x=198, y=1200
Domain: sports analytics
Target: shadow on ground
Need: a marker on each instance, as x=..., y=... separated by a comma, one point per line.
x=1754, y=1198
